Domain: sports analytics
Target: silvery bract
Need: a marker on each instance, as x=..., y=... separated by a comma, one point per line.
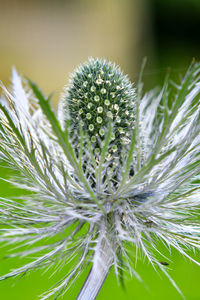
x=113, y=172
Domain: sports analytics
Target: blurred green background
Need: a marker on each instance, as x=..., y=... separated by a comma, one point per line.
x=46, y=40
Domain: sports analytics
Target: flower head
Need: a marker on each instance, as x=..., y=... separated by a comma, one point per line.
x=98, y=94
x=113, y=169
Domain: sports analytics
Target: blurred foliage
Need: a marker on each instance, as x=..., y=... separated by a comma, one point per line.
x=176, y=34
x=46, y=40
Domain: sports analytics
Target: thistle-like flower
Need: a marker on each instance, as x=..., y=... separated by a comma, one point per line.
x=113, y=170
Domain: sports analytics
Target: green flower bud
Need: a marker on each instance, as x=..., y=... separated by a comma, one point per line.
x=102, y=94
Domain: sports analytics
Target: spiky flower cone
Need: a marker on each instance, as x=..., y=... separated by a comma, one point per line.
x=114, y=170
x=98, y=94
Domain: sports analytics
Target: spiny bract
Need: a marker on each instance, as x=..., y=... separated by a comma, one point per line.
x=83, y=207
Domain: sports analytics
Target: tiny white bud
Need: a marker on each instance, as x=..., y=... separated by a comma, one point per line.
x=109, y=114
x=108, y=82
x=93, y=88
x=93, y=139
x=114, y=148
x=99, y=81
x=116, y=107
x=91, y=127
x=125, y=140
x=103, y=91
x=99, y=109
x=89, y=105
x=107, y=102
x=101, y=132
x=121, y=130
x=127, y=112
x=96, y=98
x=112, y=136
x=118, y=119
x=88, y=116
x=99, y=120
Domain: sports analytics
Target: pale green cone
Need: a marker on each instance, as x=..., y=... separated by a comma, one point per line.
x=99, y=93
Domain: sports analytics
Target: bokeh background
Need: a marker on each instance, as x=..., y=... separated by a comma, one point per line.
x=46, y=40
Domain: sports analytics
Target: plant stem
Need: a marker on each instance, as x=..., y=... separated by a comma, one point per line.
x=98, y=273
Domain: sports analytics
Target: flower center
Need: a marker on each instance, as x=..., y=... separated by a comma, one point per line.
x=100, y=93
